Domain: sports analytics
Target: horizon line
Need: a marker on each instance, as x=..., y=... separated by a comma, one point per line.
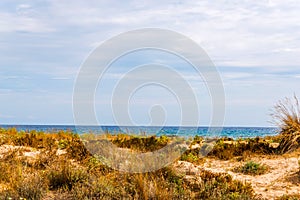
x=204, y=126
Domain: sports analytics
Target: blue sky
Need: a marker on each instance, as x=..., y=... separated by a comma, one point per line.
x=255, y=45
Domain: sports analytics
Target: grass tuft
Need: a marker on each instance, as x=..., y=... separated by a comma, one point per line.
x=286, y=114
x=63, y=175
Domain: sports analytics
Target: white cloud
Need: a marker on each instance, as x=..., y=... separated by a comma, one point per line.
x=14, y=22
x=236, y=75
x=245, y=32
x=258, y=35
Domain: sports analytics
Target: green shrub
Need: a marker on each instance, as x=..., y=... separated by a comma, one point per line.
x=226, y=149
x=62, y=144
x=197, y=140
x=190, y=157
x=143, y=144
x=222, y=186
x=252, y=168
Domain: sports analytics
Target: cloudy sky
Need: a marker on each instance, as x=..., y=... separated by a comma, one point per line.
x=255, y=46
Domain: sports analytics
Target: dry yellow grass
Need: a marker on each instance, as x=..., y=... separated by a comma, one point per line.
x=57, y=166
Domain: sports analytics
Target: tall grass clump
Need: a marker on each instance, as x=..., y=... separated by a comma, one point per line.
x=63, y=175
x=286, y=115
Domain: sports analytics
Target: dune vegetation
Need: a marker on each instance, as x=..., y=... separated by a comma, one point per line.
x=40, y=165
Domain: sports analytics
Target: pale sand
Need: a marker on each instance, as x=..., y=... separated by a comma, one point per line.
x=281, y=179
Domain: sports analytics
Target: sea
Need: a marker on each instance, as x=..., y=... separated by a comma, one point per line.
x=231, y=132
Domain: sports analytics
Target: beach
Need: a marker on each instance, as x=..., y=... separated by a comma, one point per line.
x=38, y=165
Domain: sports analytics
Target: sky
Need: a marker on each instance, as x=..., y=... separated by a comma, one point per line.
x=255, y=46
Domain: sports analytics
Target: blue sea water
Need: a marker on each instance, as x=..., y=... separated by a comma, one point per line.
x=232, y=132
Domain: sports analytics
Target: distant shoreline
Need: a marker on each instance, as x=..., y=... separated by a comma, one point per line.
x=233, y=132
x=111, y=125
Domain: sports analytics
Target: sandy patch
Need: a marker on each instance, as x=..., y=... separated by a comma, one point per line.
x=25, y=151
x=281, y=179
x=273, y=184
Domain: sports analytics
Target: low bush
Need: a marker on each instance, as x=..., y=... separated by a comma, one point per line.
x=143, y=144
x=252, y=168
x=226, y=149
x=222, y=186
x=63, y=175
